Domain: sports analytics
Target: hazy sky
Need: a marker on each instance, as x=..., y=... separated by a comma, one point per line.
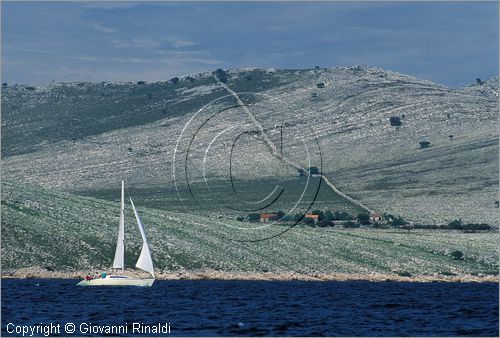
x=452, y=43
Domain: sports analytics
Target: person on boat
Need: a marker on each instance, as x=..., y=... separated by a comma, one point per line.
x=88, y=277
x=103, y=275
x=97, y=276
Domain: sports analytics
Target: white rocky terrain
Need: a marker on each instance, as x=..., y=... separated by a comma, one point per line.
x=86, y=137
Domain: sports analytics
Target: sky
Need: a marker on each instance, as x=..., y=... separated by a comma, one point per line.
x=451, y=43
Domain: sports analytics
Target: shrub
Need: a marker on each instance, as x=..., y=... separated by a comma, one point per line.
x=457, y=255
x=455, y=224
x=141, y=82
x=325, y=223
x=4, y=84
x=378, y=225
x=239, y=218
x=280, y=214
x=363, y=218
x=329, y=216
x=395, y=121
x=221, y=74
x=342, y=216
x=479, y=81
x=424, y=144
x=313, y=170
x=253, y=217
x=476, y=226
x=320, y=85
x=399, y=221
x=351, y=224
x=174, y=80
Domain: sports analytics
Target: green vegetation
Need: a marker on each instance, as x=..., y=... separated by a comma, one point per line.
x=351, y=224
x=424, y=144
x=363, y=218
x=459, y=225
x=252, y=217
x=457, y=255
x=395, y=121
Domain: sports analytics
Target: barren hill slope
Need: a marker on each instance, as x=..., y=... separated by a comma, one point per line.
x=85, y=137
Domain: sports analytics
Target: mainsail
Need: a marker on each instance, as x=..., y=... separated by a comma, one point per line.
x=144, y=262
x=118, y=262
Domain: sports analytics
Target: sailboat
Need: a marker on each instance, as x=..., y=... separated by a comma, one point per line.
x=144, y=262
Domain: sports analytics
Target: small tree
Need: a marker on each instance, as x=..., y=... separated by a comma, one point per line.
x=280, y=214
x=325, y=223
x=320, y=85
x=175, y=80
x=395, y=121
x=313, y=170
x=141, y=82
x=221, y=74
x=424, y=144
x=350, y=224
x=479, y=81
x=399, y=221
x=254, y=217
x=329, y=216
x=455, y=224
x=457, y=255
x=342, y=216
x=364, y=218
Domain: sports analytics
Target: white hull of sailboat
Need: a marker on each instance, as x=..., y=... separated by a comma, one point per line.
x=144, y=262
x=117, y=282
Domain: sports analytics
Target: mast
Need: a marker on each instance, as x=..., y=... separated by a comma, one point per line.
x=118, y=262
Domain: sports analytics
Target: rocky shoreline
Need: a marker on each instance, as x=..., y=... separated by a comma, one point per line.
x=36, y=272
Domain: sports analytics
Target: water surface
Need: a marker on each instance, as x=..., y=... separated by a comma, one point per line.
x=247, y=308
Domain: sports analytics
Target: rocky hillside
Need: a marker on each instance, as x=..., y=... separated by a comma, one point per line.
x=64, y=232
x=86, y=137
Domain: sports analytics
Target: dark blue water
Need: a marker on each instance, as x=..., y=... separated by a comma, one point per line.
x=248, y=308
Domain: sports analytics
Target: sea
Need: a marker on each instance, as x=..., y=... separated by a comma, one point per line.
x=45, y=307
